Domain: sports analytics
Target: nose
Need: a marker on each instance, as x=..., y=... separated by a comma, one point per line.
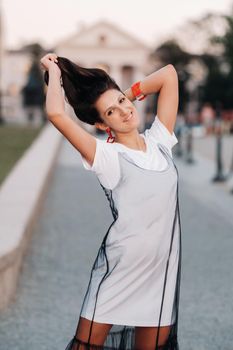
x=125, y=111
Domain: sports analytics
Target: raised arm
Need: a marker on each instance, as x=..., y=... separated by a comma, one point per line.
x=164, y=81
x=83, y=141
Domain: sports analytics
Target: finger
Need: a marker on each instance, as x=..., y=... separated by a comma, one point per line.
x=53, y=55
x=53, y=58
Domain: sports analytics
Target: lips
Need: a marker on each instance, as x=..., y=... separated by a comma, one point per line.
x=129, y=117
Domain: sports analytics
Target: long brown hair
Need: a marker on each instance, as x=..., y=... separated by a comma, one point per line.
x=83, y=87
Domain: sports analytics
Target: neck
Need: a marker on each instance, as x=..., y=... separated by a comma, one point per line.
x=131, y=140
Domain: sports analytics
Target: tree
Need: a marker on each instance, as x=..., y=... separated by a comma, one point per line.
x=219, y=83
x=171, y=52
x=33, y=91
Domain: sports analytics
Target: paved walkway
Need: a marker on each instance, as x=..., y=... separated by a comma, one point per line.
x=73, y=220
x=206, y=146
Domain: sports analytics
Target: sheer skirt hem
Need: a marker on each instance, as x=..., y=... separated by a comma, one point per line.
x=126, y=342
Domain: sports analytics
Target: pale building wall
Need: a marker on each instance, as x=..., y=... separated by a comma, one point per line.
x=101, y=44
x=15, y=65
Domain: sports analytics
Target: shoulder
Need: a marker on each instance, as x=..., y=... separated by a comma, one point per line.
x=105, y=163
x=104, y=152
x=160, y=134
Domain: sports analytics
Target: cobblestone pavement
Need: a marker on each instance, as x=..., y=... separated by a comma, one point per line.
x=75, y=217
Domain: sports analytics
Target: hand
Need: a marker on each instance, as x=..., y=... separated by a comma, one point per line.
x=49, y=62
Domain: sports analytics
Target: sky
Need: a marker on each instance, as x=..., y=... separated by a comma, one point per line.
x=49, y=21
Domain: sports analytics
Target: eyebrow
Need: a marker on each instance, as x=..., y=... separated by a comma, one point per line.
x=113, y=105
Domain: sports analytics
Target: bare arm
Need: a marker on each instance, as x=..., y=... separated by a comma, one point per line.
x=164, y=81
x=83, y=141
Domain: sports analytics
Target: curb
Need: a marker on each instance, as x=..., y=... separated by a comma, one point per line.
x=21, y=196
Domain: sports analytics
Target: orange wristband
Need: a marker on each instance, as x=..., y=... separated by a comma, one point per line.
x=137, y=92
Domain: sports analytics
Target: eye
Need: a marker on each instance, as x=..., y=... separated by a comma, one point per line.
x=122, y=99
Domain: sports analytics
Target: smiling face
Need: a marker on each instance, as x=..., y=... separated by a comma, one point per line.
x=117, y=112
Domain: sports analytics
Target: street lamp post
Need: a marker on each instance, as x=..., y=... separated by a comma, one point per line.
x=219, y=177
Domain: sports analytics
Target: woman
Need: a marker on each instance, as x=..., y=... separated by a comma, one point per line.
x=132, y=297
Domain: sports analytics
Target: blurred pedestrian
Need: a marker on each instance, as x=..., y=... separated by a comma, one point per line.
x=207, y=116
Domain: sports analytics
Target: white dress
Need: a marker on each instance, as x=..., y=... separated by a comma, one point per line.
x=135, y=277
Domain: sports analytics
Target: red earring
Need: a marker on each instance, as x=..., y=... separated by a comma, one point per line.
x=111, y=138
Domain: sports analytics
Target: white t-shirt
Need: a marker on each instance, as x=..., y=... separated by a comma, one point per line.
x=106, y=162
